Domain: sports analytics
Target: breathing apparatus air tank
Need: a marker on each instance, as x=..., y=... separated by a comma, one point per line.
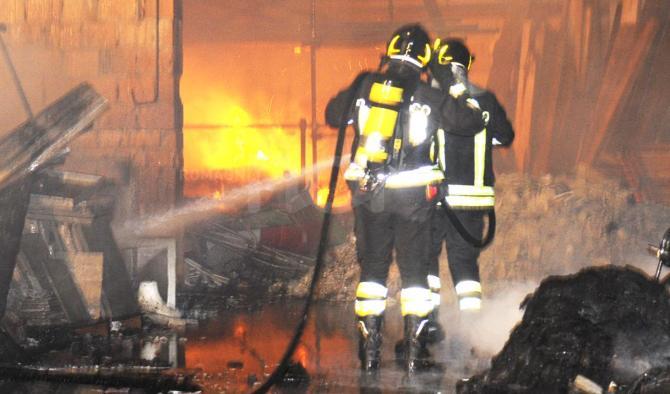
x=407, y=54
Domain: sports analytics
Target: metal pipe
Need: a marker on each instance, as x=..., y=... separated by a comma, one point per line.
x=246, y=126
x=15, y=76
x=315, y=126
x=303, y=146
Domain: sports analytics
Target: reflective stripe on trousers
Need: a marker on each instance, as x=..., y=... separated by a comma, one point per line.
x=370, y=299
x=469, y=294
x=415, y=301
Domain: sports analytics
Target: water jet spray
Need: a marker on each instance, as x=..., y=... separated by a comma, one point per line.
x=169, y=222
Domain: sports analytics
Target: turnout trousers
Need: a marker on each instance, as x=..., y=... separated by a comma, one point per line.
x=389, y=219
x=462, y=256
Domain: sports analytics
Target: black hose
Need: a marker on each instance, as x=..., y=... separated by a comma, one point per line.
x=151, y=379
x=280, y=370
x=478, y=243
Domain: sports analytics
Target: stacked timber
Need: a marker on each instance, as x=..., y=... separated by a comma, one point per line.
x=27, y=149
x=69, y=270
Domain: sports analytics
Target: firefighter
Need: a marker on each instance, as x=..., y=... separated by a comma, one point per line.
x=469, y=180
x=394, y=175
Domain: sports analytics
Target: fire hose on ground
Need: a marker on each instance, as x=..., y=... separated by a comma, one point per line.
x=283, y=366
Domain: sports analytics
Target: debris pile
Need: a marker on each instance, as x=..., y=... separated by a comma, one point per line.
x=554, y=225
x=549, y=225
x=34, y=146
x=67, y=250
x=339, y=277
x=604, y=323
x=243, y=258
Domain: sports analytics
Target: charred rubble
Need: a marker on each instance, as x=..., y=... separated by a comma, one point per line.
x=607, y=324
x=70, y=314
x=254, y=255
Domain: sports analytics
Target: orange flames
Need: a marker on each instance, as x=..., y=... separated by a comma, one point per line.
x=228, y=157
x=238, y=146
x=229, y=88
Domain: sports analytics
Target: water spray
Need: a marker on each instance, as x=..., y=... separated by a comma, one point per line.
x=170, y=221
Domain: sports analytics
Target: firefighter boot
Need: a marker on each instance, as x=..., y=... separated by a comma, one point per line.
x=432, y=332
x=370, y=343
x=415, y=357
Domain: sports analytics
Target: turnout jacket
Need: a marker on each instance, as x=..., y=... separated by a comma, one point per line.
x=413, y=154
x=467, y=154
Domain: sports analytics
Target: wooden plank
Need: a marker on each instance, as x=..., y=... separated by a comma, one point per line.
x=54, y=275
x=118, y=295
x=87, y=271
x=41, y=139
x=628, y=53
x=22, y=152
x=550, y=83
x=14, y=200
x=524, y=103
x=649, y=102
x=57, y=208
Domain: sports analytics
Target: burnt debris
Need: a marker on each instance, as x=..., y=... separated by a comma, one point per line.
x=69, y=269
x=255, y=253
x=608, y=324
x=29, y=148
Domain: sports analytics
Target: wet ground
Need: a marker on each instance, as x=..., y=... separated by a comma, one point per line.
x=234, y=351
x=254, y=341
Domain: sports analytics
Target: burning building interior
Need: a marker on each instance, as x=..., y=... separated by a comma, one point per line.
x=170, y=220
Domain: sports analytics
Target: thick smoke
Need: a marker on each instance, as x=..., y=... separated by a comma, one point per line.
x=487, y=330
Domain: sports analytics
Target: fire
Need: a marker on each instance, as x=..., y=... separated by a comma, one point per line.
x=238, y=146
x=341, y=200
x=229, y=90
x=240, y=330
x=301, y=355
x=222, y=158
x=227, y=157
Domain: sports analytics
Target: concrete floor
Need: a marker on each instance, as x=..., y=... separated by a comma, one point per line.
x=236, y=350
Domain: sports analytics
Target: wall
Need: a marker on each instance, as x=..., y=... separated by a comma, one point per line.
x=130, y=51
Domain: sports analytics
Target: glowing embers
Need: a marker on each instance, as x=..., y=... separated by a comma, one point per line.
x=230, y=152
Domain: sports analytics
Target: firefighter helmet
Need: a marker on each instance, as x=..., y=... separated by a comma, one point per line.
x=411, y=44
x=452, y=50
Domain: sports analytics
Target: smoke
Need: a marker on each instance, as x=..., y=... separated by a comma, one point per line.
x=646, y=263
x=631, y=360
x=473, y=337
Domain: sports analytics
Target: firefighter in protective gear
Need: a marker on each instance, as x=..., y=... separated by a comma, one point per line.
x=393, y=175
x=469, y=175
